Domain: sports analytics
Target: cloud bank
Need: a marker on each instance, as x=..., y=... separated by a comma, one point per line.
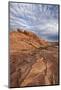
x=39, y=18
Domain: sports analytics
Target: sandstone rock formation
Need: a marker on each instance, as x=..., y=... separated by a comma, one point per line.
x=32, y=62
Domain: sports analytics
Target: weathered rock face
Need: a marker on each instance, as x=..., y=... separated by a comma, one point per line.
x=32, y=62
x=24, y=40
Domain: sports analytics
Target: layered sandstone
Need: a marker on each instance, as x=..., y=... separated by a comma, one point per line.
x=32, y=61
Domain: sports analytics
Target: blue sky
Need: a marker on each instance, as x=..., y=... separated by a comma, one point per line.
x=39, y=18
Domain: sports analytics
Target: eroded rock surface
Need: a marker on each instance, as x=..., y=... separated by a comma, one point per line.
x=32, y=61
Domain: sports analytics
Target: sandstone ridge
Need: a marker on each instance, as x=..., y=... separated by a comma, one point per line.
x=32, y=62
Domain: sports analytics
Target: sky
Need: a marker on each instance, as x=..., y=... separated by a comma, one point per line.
x=41, y=19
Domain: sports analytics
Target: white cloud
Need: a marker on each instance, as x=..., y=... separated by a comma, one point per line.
x=38, y=18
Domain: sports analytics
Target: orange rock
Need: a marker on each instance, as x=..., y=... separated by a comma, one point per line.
x=31, y=64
